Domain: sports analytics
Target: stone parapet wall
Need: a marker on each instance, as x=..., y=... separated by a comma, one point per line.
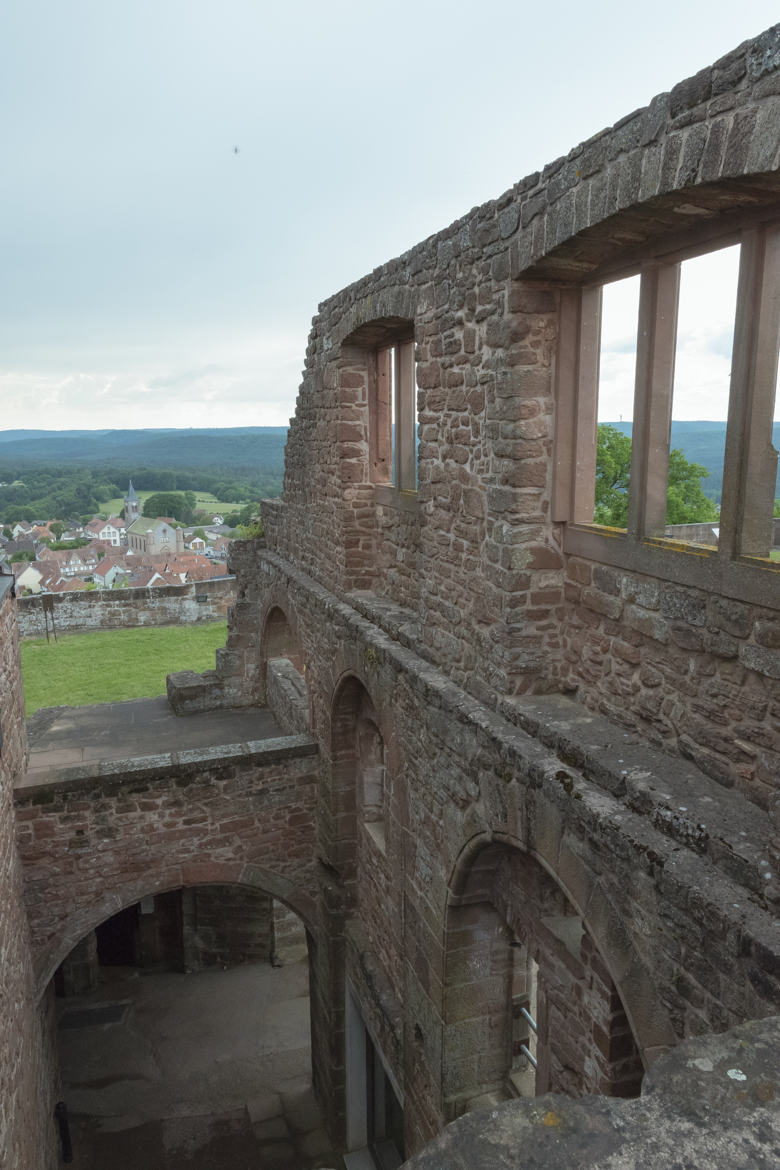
x=111, y=609
x=667, y=869
x=28, y=1076
x=689, y=669
x=241, y=814
x=711, y=1102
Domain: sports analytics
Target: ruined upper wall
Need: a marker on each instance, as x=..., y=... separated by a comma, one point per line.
x=484, y=578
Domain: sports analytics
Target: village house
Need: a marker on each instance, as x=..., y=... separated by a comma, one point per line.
x=113, y=530
x=110, y=571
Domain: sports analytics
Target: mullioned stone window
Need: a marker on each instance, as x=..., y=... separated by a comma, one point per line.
x=744, y=529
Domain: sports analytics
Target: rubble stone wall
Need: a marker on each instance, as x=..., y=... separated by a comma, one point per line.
x=667, y=869
x=28, y=1071
x=492, y=591
x=111, y=609
x=688, y=669
x=159, y=823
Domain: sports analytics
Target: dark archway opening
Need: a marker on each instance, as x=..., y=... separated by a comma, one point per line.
x=185, y=1036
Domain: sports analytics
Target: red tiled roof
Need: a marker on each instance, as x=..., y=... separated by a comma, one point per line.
x=66, y=586
x=205, y=572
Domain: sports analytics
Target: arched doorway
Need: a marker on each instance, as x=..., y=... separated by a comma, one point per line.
x=190, y=1044
x=529, y=1004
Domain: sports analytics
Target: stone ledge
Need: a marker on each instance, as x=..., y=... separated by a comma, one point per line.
x=679, y=800
x=185, y=765
x=713, y=1101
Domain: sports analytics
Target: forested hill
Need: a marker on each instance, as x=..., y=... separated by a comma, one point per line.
x=704, y=442
x=243, y=449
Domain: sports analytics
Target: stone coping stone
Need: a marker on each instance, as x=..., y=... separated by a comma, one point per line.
x=114, y=773
x=711, y=1102
x=680, y=800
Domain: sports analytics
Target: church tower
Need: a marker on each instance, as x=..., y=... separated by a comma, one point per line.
x=132, y=505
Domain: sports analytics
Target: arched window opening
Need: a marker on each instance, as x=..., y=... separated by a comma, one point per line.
x=286, y=694
x=530, y=1006
x=371, y=771
x=361, y=773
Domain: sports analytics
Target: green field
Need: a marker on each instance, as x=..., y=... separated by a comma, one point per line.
x=113, y=665
x=205, y=502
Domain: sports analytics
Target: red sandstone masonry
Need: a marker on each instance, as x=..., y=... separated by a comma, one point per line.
x=28, y=1073
x=688, y=906
x=474, y=557
x=449, y=608
x=685, y=668
x=107, y=609
x=139, y=827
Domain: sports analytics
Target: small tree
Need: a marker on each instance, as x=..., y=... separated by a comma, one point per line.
x=686, y=502
x=613, y=470
x=249, y=531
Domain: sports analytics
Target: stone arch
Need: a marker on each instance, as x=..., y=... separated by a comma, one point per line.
x=108, y=902
x=280, y=638
x=283, y=671
x=506, y=902
x=373, y=319
x=362, y=749
x=690, y=215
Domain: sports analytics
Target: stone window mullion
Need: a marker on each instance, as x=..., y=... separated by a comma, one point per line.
x=750, y=466
x=651, y=429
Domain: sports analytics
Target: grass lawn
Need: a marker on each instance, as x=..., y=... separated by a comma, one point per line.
x=109, y=666
x=205, y=502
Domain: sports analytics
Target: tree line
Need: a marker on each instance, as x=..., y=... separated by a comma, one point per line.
x=35, y=492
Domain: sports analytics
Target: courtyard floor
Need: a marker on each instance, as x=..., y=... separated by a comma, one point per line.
x=168, y=1071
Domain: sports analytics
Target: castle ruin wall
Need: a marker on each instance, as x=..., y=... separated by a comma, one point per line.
x=116, y=609
x=28, y=1069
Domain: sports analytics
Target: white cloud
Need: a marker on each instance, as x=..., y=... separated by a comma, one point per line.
x=140, y=251
x=705, y=329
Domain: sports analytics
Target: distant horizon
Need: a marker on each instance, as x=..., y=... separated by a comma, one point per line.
x=64, y=431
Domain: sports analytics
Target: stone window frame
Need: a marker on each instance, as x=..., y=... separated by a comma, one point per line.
x=393, y=395
x=735, y=568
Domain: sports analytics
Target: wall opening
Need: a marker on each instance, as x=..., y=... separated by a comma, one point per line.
x=375, y=1115
x=197, y=1050
x=529, y=1004
x=284, y=674
x=360, y=763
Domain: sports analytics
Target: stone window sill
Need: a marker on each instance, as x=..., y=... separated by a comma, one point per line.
x=695, y=565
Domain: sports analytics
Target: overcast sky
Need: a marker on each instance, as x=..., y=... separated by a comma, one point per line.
x=151, y=276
